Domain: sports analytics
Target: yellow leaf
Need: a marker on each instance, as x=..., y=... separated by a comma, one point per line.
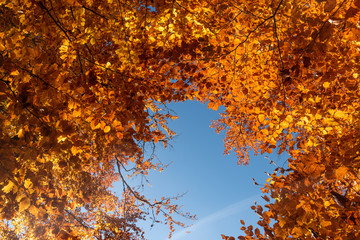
x=339, y=114
x=20, y=133
x=289, y=119
x=14, y=73
x=284, y=124
x=72, y=105
x=318, y=116
x=107, y=129
x=76, y=113
x=272, y=141
x=326, y=85
x=261, y=118
x=310, y=143
x=24, y=204
x=27, y=183
x=74, y=150
x=8, y=187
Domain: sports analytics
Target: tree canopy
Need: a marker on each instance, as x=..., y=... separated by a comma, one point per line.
x=83, y=93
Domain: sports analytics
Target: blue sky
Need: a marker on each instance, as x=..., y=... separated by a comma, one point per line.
x=217, y=190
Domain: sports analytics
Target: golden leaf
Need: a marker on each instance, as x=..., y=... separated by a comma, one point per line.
x=9, y=187
x=27, y=183
x=289, y=118
x=76, y=113
x=33, y=210
x=284, y=124
x=339, y=114
x=265, y=132
x=261, y=118
x=340, y=172
x=24, y=204
x=95, y=124
x=14, y=73
x=326, y=85
x=107, y=129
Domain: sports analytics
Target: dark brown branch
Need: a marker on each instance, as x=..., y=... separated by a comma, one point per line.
x=22, y=103
x=94, y=12
x=81, y=66
x=80, y=221
x=54, y=20
x=249, y=33
x=46, y=83
x=259, y=25
x=135, y=194
x=280, y=56
x=323, y=25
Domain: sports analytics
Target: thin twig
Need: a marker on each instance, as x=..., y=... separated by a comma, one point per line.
x=80, y=221
x=94, y=12
x=52, y=17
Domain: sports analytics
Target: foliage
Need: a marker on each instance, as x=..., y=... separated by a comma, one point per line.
x=288, y=74
x=83, y=85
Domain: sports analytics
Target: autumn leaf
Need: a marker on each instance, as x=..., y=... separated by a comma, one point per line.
x=27, y=183
x=33, y=210
x=341, y=172
x=24, y=204
x=9, y=187
x=107, y=129
x=326, y=85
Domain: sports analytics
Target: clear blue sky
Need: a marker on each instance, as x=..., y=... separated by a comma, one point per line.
x=219, y=191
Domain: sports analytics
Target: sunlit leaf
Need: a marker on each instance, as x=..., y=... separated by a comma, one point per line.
x=24, y=204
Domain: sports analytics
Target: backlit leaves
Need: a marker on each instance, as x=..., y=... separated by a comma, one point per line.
x=81, y=83
x=83, y=86
x=288, y=84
